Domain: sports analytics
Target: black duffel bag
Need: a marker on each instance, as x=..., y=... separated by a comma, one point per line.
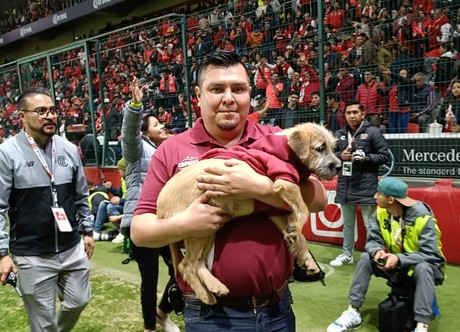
x=396, y=314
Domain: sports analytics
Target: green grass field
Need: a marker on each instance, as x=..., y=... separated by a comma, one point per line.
x=115, y=303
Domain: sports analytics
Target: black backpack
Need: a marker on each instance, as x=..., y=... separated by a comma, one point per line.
x=396, y=313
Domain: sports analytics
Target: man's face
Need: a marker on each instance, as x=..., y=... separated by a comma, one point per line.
x=368, y=76
x=224, y=98
x=419, y=81
x=33, y=123
x=381, y=200
x=343, y=71
x=359, y=41
x=315, y=100
x=293, y=99
x=354, y=116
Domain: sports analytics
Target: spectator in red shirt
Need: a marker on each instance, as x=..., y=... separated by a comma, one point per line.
x=336, y=17
x=346, y=83
x=306, y=89
x=163, y=116
x=435, y=28
x=227, y=46
x=371, y=100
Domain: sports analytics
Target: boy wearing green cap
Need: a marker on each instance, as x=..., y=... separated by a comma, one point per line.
x=405, y=240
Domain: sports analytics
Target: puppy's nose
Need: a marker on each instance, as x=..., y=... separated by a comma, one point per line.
x=336, y=167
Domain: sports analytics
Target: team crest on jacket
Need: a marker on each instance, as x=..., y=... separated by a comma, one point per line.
x=62, y=161
x=363, y=136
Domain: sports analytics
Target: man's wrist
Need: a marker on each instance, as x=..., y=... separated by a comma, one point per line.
x=3, y=253
x=88, y=233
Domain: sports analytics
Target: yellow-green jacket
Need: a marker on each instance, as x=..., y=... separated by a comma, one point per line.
x=421, y=241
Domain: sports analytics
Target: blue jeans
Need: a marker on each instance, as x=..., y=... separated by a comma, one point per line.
x=104, y=211
x=201, y=317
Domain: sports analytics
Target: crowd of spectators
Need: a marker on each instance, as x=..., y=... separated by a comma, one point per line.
x=23, y=12
x=397, y=57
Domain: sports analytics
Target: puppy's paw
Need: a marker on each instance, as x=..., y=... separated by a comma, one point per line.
x=218, y=288
x=310, y=266
x=291, y=234
x=206, y=297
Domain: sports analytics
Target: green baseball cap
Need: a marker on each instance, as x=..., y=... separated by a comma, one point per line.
x=395, y=188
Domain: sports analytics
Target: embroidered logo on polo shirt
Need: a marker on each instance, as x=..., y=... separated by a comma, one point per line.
x=62, y=161
x=187, y=161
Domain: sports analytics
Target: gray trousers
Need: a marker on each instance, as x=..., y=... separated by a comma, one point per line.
x=349, y=217
x=41, y=278
x=424, y=278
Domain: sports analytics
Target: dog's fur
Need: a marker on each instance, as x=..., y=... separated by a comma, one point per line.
x=313, y=144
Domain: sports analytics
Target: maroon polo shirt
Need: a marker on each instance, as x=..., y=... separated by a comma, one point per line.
x=250, y=257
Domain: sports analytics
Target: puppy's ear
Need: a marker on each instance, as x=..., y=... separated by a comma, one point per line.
x=300, y=141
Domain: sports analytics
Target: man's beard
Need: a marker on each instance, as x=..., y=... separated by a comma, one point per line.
x=227, y=125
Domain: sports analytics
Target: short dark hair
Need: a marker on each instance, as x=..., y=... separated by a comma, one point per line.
x=355, y=102
x=30, y=91
x=333, y=95
x=222, y=59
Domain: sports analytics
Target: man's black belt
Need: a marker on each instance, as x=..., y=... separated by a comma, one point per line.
x=245, y=302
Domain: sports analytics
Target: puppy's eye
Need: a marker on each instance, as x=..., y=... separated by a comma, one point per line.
x=320, y=148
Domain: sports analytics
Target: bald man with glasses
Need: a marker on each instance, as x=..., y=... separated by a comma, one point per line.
x=45, y=194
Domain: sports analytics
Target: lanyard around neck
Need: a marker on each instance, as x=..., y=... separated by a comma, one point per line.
x=42, y=160
x=352, y=137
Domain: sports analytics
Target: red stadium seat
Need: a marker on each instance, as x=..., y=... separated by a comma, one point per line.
x=413, y=128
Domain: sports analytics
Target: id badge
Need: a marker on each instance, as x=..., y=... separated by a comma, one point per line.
x=347, y=168
x=61, y=219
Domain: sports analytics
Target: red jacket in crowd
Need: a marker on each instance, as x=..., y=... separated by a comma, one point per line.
x=369, y=97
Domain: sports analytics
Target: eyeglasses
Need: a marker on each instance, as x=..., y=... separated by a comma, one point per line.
x=43, y=112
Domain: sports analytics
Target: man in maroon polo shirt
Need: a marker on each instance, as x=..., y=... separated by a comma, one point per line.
x=250, y=256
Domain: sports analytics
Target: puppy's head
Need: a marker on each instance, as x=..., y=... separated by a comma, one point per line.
x=314, y=145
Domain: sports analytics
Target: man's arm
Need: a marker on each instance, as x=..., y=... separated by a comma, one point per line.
x=428, y=248
x=374, y=242
x=6, y=183
x=379, y=154
x=431, y=103
x=198, y=220
x=84, y=215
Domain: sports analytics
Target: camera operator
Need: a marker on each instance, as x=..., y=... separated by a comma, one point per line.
x=362, y=149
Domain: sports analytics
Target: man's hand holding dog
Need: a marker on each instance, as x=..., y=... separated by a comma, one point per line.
x=202, y=219
x=238, y=181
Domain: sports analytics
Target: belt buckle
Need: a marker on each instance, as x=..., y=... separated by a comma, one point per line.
x=258, y=302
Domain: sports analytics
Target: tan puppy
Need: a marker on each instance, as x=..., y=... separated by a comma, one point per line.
x=312, y=144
